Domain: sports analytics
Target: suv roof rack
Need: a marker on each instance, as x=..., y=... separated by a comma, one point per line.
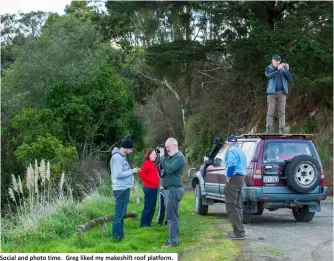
x=263, y=136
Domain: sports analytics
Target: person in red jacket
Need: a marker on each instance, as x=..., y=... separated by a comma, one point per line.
x=150, y=178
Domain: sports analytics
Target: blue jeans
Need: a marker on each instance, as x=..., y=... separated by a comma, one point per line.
x=150, y=202
x=122, y=200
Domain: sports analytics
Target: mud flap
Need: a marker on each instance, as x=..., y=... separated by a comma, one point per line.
x=314, y=208
x=206, y=201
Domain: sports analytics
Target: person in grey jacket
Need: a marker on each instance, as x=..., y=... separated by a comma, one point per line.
x=122, y=181
x=278, y=74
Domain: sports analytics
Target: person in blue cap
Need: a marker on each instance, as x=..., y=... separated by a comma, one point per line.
x=278, y=74
x=236, y=163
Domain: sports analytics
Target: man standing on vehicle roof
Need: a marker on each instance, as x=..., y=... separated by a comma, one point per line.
x=278, y=74
x=235, y=162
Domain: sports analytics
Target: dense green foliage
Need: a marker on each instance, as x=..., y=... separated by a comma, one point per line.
x=188, y=69
x=63, y=101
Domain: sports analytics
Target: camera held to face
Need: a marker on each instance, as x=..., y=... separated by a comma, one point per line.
x=157, y=150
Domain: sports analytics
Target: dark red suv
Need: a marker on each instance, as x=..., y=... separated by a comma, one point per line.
x=283, y=171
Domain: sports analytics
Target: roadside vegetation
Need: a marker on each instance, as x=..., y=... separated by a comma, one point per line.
x=53, y=229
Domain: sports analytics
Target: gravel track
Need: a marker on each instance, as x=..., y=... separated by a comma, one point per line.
x=276, y=236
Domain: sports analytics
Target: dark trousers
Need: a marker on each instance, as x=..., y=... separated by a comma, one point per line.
x=234, y=205
x=162, y=209
x=173, y=196
x=122, y=200
x=150, y=202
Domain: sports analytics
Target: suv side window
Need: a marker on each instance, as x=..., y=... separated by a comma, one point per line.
x=249, y=148
x=221, y=155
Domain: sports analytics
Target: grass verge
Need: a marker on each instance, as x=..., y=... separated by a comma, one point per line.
x=273, y=251
x=201, y=237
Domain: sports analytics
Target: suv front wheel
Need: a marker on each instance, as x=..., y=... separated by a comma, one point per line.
x=199, y=207
x=303, y=214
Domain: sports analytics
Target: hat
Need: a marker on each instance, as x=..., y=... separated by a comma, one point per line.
x=231, y=139
x=127, y=144
x=276, y=57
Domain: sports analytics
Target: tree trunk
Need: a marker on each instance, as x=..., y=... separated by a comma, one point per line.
x=100, y=221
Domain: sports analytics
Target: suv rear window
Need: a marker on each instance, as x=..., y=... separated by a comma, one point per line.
x=279, y=151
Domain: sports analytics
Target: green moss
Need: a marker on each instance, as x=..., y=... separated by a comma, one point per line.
x=273, y=251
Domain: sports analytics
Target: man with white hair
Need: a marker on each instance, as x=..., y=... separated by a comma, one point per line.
x=173, y=164
x=235, y=162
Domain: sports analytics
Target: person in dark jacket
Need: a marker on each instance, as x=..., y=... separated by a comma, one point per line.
x=162, y=210
x=173, y=165
x=150, y=178
x=278, y=74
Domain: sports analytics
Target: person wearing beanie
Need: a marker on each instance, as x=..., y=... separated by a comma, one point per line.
x=122, y=181
x=278, y=74
x=149, y=175
x=235, y=162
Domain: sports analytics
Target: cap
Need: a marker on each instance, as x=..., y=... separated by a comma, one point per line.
x=231, y=139
x=276, y=57
x=127, y=144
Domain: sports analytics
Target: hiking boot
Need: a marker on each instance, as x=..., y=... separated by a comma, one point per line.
x=235, y=237
x=167, y=244
x=282, y=130
x=268, y=130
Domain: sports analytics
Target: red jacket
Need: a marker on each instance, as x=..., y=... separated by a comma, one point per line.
x=149, y=174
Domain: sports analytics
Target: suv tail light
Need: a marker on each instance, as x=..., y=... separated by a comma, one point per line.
x=322, y=179
x=258, y=177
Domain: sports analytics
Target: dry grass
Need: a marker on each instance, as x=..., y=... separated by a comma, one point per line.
x=39, y=186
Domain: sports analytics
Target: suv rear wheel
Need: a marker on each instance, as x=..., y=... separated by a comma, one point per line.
x=199, y=207
x=303, y=174
x=303, y=214
x=260, y=209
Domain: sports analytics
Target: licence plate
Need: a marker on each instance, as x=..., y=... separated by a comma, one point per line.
x=270, y=179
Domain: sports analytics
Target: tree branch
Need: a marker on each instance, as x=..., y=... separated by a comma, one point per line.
x=100, y=221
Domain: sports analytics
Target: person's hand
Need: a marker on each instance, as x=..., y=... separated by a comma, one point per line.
x=228, y=180
x=161, y=188
x=280, y=67
x=287, y=66
x=162, y=152
x=135, y=170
